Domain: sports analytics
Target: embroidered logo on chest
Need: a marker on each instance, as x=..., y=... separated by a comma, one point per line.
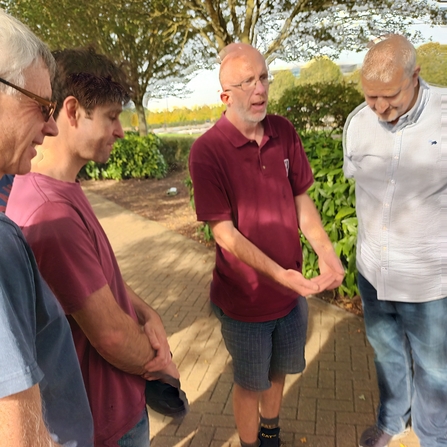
x=286, y=164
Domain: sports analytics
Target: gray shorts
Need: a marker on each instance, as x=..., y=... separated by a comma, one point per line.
x=262, y=350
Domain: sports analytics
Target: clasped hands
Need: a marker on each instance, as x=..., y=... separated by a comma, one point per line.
x=330, y=277
x=162, y=363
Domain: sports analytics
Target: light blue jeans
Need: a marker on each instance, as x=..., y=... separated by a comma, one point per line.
x=138, y=436
x=410, y=346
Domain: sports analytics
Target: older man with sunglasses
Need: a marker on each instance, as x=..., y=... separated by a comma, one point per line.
x=42, y=398
x=47, y=108
x=396, y=150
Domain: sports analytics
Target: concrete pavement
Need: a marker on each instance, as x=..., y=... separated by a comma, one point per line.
x=329, y=405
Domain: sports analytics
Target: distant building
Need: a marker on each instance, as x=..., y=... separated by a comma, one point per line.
x=348, y=68
x=296, y=71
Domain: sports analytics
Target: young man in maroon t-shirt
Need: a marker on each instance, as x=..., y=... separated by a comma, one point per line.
x=120, y=340
x=250, y=177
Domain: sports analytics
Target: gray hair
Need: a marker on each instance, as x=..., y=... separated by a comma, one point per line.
x=20, y=48
x=387, y=56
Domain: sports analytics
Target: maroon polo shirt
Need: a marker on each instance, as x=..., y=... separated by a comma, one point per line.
x=253, y=186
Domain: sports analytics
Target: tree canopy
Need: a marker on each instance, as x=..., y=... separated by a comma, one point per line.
x=320, y=70
x=160, y=43
x=282, y=80
x=141, y=36
x=301, y=29
x=354, y=79
x=432, y=57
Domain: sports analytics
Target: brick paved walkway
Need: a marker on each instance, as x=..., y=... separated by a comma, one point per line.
x=328, y=405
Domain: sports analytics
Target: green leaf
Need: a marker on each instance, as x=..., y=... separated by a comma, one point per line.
x=346, y=211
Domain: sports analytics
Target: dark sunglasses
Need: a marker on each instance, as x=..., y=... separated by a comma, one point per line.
x=46, y=107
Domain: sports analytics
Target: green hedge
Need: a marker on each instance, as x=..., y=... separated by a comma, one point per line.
x=334, y=198
x=322, y=106
x=175, y=151
x=132, y=157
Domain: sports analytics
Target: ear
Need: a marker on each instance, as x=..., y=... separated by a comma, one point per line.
x=416, y=72
x=71, y=110
x=225, y=97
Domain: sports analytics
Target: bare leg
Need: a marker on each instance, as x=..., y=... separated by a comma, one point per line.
x=246, y=407
x=271, y=399
x=246, y=413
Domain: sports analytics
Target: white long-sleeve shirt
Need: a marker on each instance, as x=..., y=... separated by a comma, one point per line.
x=401, y=197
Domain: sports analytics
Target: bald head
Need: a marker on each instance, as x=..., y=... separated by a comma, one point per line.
x=236, y=54
x=234, y=48
x=388, y=56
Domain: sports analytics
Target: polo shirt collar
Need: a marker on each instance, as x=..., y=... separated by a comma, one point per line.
x=414, y=113
x=235, y=136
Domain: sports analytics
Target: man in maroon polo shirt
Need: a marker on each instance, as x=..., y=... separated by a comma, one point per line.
x=250, y=176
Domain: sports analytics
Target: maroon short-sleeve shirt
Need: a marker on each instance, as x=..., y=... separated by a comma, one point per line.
x=254, y=186
x=75, y=259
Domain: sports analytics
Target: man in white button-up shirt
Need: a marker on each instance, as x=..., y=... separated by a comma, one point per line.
x=396, y=149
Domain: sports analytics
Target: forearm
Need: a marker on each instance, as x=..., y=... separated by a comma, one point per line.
x=311, y=225
x=229, y=238
x=113, y=333
x=329, y=263
x=154, y=329
x=127, y=347
x=21, y=421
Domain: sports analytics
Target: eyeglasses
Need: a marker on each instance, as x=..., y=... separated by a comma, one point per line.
x=250, y=84
x=46, y=107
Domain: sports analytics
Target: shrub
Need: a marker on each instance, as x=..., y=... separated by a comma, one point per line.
x=334, y=198
x=204, y=228
x=132, y=157
x=175, y=151
x=323, y=106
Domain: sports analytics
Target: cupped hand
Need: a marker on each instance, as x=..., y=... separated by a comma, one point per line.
x=296, y=281
x=332, y=268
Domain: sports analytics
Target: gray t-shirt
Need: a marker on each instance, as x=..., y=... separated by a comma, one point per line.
x=36, y=344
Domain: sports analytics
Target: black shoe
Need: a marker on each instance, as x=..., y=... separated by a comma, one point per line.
x=269, y=437
x=166, y=397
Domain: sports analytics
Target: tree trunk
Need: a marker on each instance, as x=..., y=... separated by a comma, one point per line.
x=142, y=125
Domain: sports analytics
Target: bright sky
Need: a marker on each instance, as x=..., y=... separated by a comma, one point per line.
x=206, y=88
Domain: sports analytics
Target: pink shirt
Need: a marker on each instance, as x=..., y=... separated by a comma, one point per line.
x=254, y=187
x=76, y=259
